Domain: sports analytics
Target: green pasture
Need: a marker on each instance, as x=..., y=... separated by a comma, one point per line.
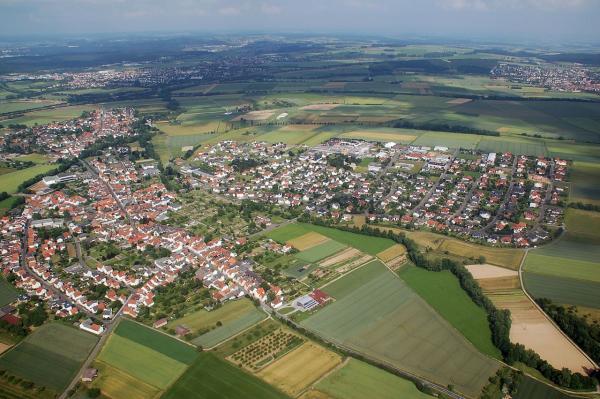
x=211, y=377
x=383, y=318
x=443, y=292
x=8, y=293
x=10, y=181
x=50, y=357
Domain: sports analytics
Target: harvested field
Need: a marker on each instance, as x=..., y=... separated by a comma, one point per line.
x=307, y=241
x=319, y=107
x=531, y=328
x=459, y=101
x=300, y=368
x=117, y=384
x=499, y=283
x=354, y=264
x=340, y=257
x=392, y=253
x=507, y=257
x=489, y=271
x=256, y=115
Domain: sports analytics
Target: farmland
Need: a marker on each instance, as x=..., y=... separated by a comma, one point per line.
x=7, y=292
x=367, y=313
x=50, y=357
x=442, y=291
x=11, y=181
x=266, y=349
x=358, y=380
x=321, y=251
x=298, y=369
x=211, y=377
x=563, y=290
x=370, y=245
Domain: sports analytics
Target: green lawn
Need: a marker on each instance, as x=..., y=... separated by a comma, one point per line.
x=7, y=292
x=320, y=251
x=11, y=181
x=358, y=380
x=212, y=378
x=141, y=362
x=156, y=341
x=49, y=357
x=443, y=292
x=385, y=319
x=364, y=243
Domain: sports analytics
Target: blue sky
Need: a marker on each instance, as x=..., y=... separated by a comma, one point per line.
x=548, y=20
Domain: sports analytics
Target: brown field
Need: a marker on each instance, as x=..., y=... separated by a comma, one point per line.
x=256, y=115
x=116, y=384
x=334, y=85
x=507, y=257
x=300, y=368
x=354, y=264
x=314, y=394
x=340, y=257
x=296, y=128
x=319, y=107
x=392, y=253
x=486, y=271
x=359, y=220
x=307, y=241
x=459, y=101
x=4, y=347
x=499, y=283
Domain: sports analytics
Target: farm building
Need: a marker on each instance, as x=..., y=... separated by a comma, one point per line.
x=305, y=303
x=160, y=323
x=89, y=375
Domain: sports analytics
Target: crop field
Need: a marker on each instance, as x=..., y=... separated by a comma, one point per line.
x=584, y=187
x=298, y=369
x=583, y=224
x=563, y=290
x=23, y=105
x=117, y=384
x=451, y=140
x=562, y=266
x=358, y=380
x=443, y=292
x=307, y=241
x=49, y=357
x=11, y=181
x=403, y=136
x=45, y=116
x=530, y=388
x=229, y=329
x=211, y=377
x=234, y=316
x=156, y=341
x=513, y=145
x=343, y=256
x=7, y=292
x=506, y=257
x=321, y=251
x=392, y=253
x=377, y=314
x=531, y=328
x=367, y=244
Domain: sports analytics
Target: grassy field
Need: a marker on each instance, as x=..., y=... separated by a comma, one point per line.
x=8, y=293
x=451, y=140
x=584, y=188
x=141, y=362
x=320, y=251
x=442, y=291
x=45, y=116
x=297, y=370
x=117, y=384
x=229, y=329
x=367, y=244
x=358, y=380
x=156, y=341
x=35, y=158
x=211, y=377
x=514, y=145
x=563, y=267
x=49, y=357
x=10, y=181
x=23, y=105
x=378, y=315
x=532, y=389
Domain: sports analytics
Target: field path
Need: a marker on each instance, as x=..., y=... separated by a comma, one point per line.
x=550, y=320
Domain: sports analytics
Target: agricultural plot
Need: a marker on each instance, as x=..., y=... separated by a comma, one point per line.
x=563, y=290
x=211, y=377
x=320, y=251
x=443, y=292
x=367, y=244
x=340, y=257
x=266, y=349
x=11, y=181
x=23, y=105
x=49, y=357
x=403, y=136
x=513, y=145
x=117, y=384
x=451, y=140
x=358, y=380
x=307, y=241
x=7, y=292
x=506, y=257
x=493, y=278
x=45, y=116
x=530, y=388
x=392, y=253
x=378, y=315
x=229, y=329
x=298, y=369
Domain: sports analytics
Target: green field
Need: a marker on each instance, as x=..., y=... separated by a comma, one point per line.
x=22, y=105
x=212, y=378
x=45, y=116
x=384, y=319
x=141, y=362
x=442, y=291
x=33, y=157
x=584, y=183
x=228, y=330
x=563, y=290
x=49, y=357
x=451, y=140
x=513, y=145
x=533, y=389
x=358, y=380
x=11, y=181
x=562, y=266
x=8, y=293
x=320, y=251
x=367, y=244
x=345, y=286
x=156, y=341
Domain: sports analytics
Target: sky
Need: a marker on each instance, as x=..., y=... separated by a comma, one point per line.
x=533, y=20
